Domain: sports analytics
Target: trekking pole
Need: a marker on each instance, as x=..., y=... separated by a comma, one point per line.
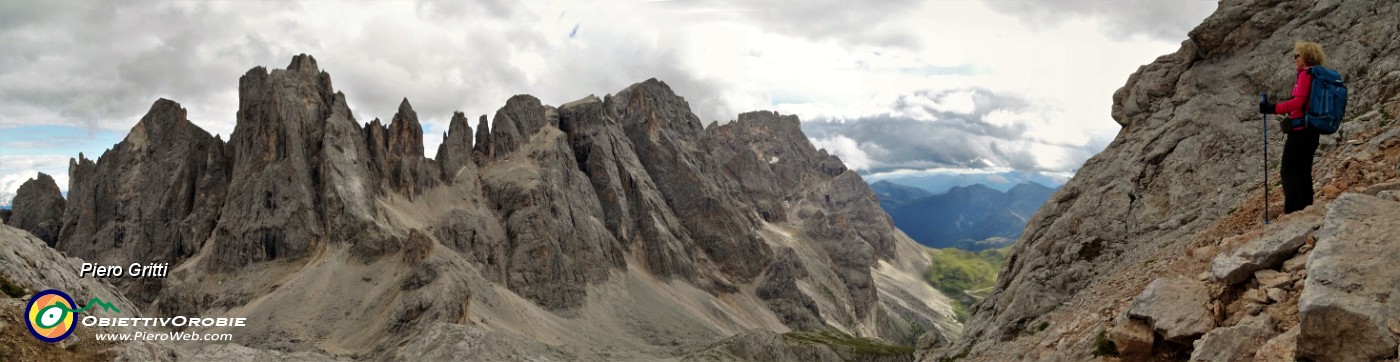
x=1263, y=97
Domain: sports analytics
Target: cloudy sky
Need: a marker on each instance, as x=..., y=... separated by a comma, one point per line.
x=887, y=85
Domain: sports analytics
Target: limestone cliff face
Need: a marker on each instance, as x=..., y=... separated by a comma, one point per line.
x=1182, y=180
x=154, y=196
x=608, y=223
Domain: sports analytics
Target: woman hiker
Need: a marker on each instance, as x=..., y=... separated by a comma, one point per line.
x=1298, y=148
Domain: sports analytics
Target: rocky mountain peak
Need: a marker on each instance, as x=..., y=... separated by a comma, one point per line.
x=305, y=64
x=405, y=132
x=1028, y=188
x=164, y=119
x=38, y=208
x=522, y=116
x=455, y=151
x=653, y=101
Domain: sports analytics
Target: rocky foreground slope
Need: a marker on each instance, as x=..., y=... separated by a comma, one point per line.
x=1156, y=248
x=607, y=228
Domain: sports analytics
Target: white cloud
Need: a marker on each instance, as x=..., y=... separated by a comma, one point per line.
x=15, y=170
x=847, y=149
x=1122, y=19
x=101, y=64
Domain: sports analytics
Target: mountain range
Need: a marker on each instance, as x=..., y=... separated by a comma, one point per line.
x=971, y=218
x=608, y=228
x=940, y=181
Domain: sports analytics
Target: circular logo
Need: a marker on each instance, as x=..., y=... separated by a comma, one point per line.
x=49, y=315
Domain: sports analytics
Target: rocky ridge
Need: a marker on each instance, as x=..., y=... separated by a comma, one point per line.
x=614, y=223
x=1175, y=199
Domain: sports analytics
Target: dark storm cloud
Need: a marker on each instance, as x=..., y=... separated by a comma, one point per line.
x=919, y=136
x=1157, y=19
x=101, y=64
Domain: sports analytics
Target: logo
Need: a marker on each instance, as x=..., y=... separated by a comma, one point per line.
x=50, y=314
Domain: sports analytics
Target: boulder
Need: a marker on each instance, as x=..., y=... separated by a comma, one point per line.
x=1236, y=343
x=1176, y=308
x=1271, y=278
x=1375, y=190
x=1133, y=337
x=1391, y=195
x=1278, y=243
x=1282, y=347
x=1346, y=301
x=38, y=208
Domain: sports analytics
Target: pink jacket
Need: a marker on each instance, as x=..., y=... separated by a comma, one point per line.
x=1294, y=107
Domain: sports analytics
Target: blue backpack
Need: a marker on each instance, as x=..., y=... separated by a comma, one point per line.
x=1327, y=100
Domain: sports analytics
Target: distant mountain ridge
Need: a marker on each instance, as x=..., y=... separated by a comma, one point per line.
x=937, y=182
x=892, y=194
x=963, y=217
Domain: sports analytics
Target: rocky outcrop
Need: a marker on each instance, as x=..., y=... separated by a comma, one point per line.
x=779, y=289
x=773, y=167
x=28, y=264
x=482, y=150
x=1283, y=347
x=149, y=199
x=455, y=152
x=405, y=169
x=1346, y=312
x=38, y=208
x=1187, y=162
x=1237, y=343
x=1266, y=252
x=521, y=117
x=275, y=148
x=1183, y=174
x=665, y=137
x=557, y=244
x=634, y=210
x=396, y=154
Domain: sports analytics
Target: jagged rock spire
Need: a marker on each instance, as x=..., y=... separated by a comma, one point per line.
x=38, y=208
x=455, y=151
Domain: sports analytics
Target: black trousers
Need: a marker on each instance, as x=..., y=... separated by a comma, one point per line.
x=1296, y=170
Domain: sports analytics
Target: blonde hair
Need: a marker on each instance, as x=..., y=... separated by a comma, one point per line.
x=1311, y=52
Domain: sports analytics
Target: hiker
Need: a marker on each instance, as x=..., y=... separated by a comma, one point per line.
x=1298, y=148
